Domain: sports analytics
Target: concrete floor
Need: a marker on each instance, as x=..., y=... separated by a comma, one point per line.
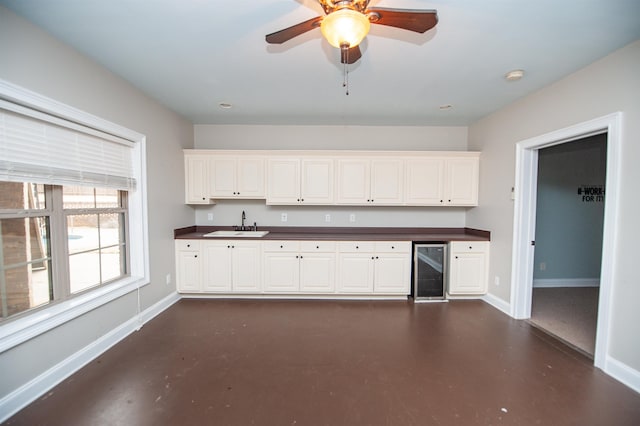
x=231, y=362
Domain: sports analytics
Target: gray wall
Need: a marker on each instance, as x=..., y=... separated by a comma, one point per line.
x=227, y=212
x=568, y=225
x=30, y=58
x=609, y=85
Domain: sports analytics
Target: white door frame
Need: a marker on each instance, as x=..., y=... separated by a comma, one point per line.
x=525, y=219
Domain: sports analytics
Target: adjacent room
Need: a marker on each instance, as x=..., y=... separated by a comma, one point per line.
x=316, y=212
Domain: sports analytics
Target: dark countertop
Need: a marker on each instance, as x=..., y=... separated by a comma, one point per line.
x=342, y=234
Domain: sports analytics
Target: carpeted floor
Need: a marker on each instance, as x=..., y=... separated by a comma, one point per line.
x=569, y=313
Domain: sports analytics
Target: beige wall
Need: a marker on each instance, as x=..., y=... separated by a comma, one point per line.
x=609, y=85
x=32, y=59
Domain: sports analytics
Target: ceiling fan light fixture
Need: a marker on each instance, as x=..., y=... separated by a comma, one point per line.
x=345, y=27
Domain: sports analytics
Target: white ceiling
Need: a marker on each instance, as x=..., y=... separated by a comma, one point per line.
x=191, y=55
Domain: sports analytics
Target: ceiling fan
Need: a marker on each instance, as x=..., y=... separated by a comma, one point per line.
x=347, y=22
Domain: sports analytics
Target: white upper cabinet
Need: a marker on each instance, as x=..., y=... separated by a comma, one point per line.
x=446, y=181
x=424, y=181
x=356, y=178
x=300, y=181
x=236, y=177
x=196, y=173
x=461, y=187
x=370, y=182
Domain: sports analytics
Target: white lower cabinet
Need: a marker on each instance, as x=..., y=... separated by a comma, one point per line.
x=188, y=259
x=299, y=266
x=231, y=266
x=293, y=267
x=374, y=267
x=468, y=267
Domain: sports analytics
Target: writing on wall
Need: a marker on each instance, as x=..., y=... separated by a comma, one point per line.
x=591, y=193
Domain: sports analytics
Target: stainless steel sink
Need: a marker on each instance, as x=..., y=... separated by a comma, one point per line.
x=236, y=234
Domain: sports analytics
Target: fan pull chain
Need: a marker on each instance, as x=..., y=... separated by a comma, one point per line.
x=345, y=69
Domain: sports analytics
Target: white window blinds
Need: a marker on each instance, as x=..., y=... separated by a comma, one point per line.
x=40, y=148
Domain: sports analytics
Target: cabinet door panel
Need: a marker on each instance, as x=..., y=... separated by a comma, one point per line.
x=317, y=272
x=317, y=182
x=392, y=274
x=355, y=273
x=462, y=182
x=387, y=182
x=197, y=180
x=250, y=178
x=425, y=181
x=353, y=182
x=246, y=267
x=281, y=272
x=188, y=271
x=283, y=181
x=222, y=177
x=217, y=267
x=468, y=273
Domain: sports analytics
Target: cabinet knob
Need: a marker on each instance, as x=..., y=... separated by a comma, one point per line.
x=281, y=246
x=442, y=201
x=357, y=247
x=195, y=255
x=302, y=199
x=298, y=199
x=228, y=246
x=203, y=198
x=392, y=247
x=449, y=200
x=188, y=245
x=317, y=247
x=377, y=257
x=470, y=247
x=371, y=257
x=456, y=257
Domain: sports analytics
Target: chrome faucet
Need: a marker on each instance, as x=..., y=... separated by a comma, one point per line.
x=244, y=217
x=242, y=227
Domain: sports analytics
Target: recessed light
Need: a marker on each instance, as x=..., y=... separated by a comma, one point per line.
x=445, y=107
x=514, y=75
x=225, y=105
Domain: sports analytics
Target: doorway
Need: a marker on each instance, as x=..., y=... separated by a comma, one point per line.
x=568, y=240
x=525, y=217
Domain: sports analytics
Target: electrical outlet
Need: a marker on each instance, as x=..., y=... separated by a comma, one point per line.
x=168, y=279
x=496, y=281
x=283, y=217
x=543, y=266
x=352, y=217
x=327, y=218
x=209, y=216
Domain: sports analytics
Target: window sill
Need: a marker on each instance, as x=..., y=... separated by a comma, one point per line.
x=30, y=326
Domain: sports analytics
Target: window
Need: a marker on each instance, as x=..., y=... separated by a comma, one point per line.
x=57, y=242
x=75, y=237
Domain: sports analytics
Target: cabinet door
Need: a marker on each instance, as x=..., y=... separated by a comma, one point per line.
x=217, y=276
x=317, y=272
x=392, y=273
x=283, y=181
x=246, y=267
x=387, y=182
x=196, y=169
x=462, y=182
x=222, y=181
x=424, y=182
x=250, y=178
x=317, y=181
x=468, y=273
x=355, y=273
x=353, y=182
x=281, y=272
x=188, y=271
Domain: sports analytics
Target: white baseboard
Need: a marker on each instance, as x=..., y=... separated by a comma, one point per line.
x=566, y=282
x=497, y=303
x=29, y=392
x=622, y=372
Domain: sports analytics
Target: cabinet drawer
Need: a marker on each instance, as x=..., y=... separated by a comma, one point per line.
x=393, y=246
x=318, y=246
x=356, y=246
x=282, y=246
x=188, y=245
x=469, y=246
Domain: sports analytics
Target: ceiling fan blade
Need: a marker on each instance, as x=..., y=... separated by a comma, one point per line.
x=287, y=34
x=351, y=55
x=418, y=21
